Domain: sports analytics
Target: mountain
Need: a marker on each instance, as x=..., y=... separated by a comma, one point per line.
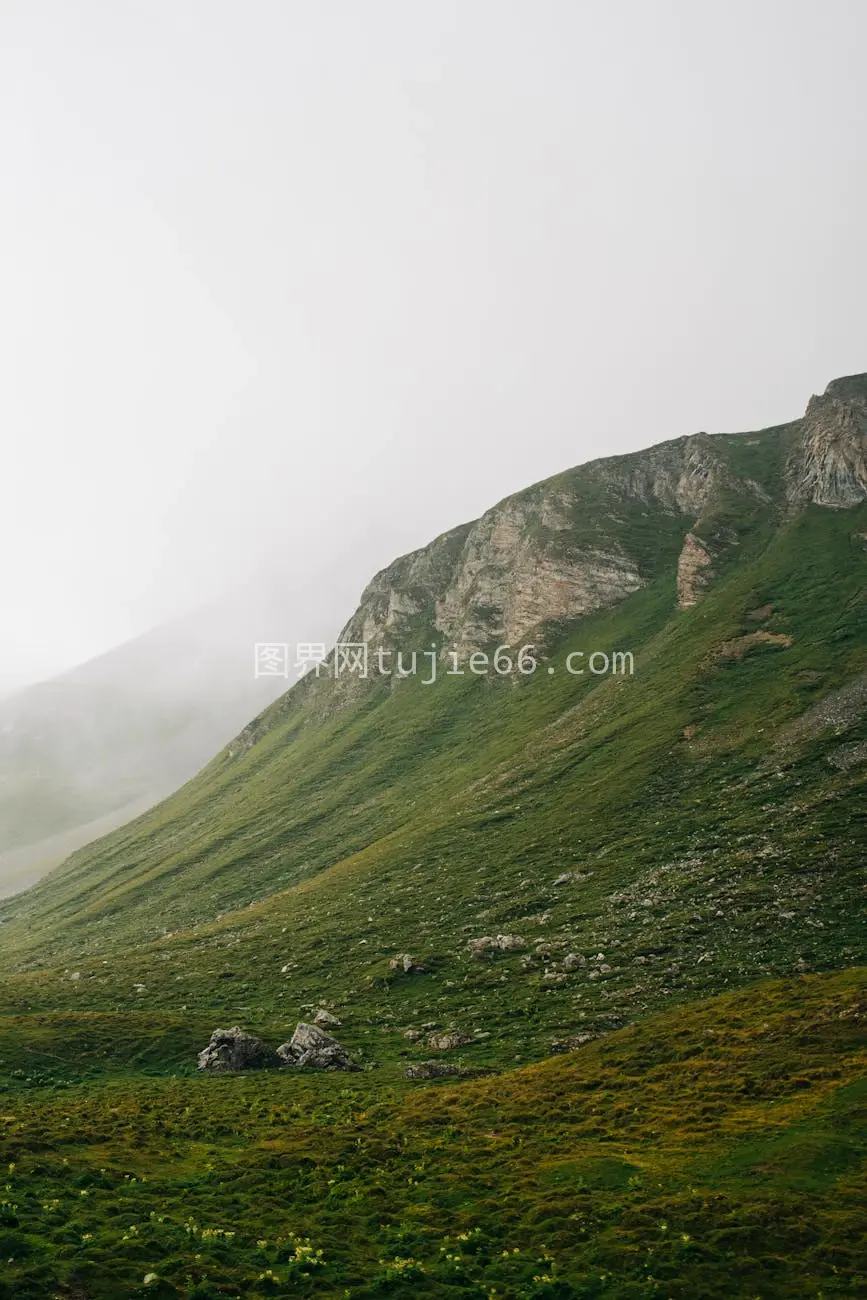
x=91, y=748
x=654, y=798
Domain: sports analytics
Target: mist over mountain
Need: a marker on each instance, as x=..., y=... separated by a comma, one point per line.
x=460, y=355
x=95, y=746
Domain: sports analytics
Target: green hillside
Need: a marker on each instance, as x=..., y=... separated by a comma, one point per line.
x=715, y=1151
x=571, y=861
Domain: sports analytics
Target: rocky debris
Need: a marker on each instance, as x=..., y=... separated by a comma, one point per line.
x=312, y=1049
x=569, y=877
x=442, y=1070
x=452, y=1038
x=235, y=1049
x=848, y=756
x=694, y=571
x=573, y=960
x=324, y=1017
x=836, y=712
x=404, y=962
x=495, y=943
x=572, y=1043
x=412, y=1034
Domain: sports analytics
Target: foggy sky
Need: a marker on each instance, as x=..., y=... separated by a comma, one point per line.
x=287, y=288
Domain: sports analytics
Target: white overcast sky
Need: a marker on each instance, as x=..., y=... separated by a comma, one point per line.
x=286, y=288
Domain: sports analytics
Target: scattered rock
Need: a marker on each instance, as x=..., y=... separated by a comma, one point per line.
x=404, y=962
x=573, y=960
x=324, y=1017
x=492, y=943
x=235, y=1049
x=572, y=1043
x=311, y=1048
x=442, y=1070
x=412, y=1034
x=447, y=1041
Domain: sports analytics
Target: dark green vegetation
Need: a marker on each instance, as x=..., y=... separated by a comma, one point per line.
x=712, y=1151
x=647, y=841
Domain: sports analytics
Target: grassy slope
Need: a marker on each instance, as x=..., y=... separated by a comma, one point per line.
x=716, y=1150
x=713, y=847
x=718, y=844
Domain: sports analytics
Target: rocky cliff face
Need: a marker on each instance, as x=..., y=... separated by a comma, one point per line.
x=560, y=550
x=588, y=538
x=829, y=464
x=694, y=571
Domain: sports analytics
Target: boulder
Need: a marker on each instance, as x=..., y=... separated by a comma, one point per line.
x=445, y=1042
x=495, y=943
x=573, y=960
x=311, y=1048
x=404, y=962
x=571, y=1044
x=235, y=1049
x=324, y=1017
x=442, y=1070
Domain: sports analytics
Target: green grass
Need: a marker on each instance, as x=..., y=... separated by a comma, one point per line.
x=704, y=1143
x=713, y=1151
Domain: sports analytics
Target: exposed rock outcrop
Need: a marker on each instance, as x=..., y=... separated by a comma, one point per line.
x=587, y=539
x=311, y=1048
x=495, y=943
x=829, y=464
x=406, y=964
x=235, y=1049
x=694, y=571
x=447, y=1042
x=442, y=1070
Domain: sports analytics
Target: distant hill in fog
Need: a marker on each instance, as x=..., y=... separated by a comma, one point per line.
x=93, y=747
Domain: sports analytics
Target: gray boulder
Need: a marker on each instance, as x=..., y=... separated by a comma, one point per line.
x=571, y=1044
x=442, y=1070
x=495, y=942
x=407, y=964
x=311, y=1048
x=324, y=1017
x=446, y=1042
x=235, y=1049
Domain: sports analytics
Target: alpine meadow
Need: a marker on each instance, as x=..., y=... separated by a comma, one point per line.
x=530, y=981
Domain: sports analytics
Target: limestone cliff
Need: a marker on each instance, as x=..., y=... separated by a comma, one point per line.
x=829, y=464
x=694, y=571
x=564, y=548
